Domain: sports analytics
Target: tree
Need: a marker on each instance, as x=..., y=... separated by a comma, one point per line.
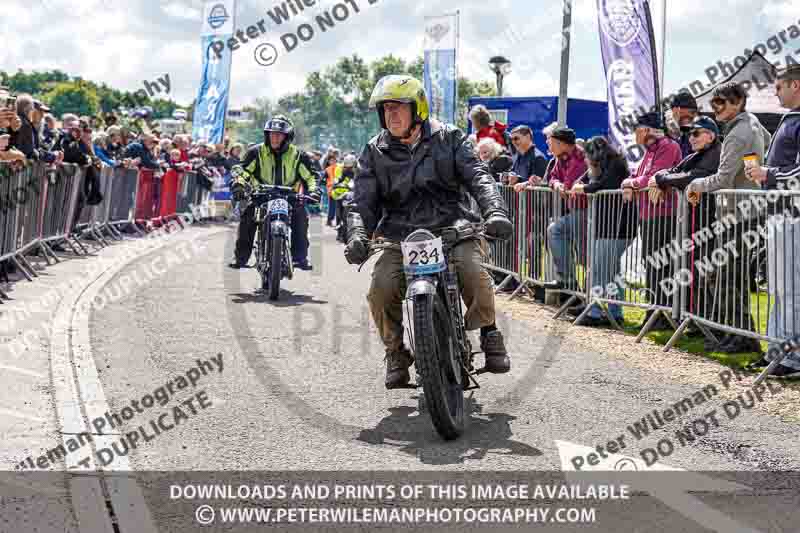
x=73, y=97
x=466, y=89
x=43, y=84
x=333, y=107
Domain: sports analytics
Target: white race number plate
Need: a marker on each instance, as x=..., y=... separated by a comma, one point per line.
x=423, y=257
x=278, y=207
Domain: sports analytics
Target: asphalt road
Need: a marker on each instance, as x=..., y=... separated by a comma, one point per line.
x=302, y=384
x=297, y=385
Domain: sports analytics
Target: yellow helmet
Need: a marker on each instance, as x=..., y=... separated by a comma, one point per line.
x=403, y=89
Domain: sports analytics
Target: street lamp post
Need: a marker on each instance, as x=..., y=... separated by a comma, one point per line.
x=501, y=68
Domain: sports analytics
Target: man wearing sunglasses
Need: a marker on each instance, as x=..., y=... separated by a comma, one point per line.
x=684, y=111
x=782, y=171
x=744, y=135
x=529, y=163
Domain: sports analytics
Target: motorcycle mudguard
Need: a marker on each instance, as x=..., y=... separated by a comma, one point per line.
x=421, y=286
x=278, y=228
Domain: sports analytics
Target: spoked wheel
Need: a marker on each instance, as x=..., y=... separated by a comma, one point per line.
x=261, y=257
x=273, y=273
x=437, y=361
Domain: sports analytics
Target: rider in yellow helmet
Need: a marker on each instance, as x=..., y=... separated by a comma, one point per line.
x=420, y=173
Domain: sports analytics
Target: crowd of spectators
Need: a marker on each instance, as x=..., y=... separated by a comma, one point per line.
x=683, y=151
x=28, y=132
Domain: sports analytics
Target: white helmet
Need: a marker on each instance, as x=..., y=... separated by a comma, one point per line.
x=349, y=161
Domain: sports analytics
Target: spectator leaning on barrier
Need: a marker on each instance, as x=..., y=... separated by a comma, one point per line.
x=114, y=146
x=657, y=221
x=164, y=148
x=26, y=138
x=570, y=165
x=684, y=111
x=492, y=154
x=70, y=142
x=100, y=141
x=744, y=135
x=782, y=171
x=486, y=127
x=143, y=152
x=548, y=132
x=38, y=118
x=49, y=132
x=9, y=123
x=703, y=161
x=529, y=163
x=607, y=169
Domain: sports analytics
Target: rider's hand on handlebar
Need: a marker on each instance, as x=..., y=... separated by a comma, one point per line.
x=356, y=251
x=314, y=197
x=237, y=191
x=499, y=226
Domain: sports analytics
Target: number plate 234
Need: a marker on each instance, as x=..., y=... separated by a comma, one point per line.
x=423, y=257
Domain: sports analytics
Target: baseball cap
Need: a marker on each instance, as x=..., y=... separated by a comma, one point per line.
x=705, y=123
x=684, y=100
x=650, y=120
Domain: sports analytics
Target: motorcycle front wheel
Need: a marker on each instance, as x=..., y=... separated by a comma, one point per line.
x=438, y=367
x=273, y=273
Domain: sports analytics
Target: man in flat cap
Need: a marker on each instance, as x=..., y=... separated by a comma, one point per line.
x=568, y=230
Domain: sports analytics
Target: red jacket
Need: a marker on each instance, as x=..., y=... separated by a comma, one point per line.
x=495, y=131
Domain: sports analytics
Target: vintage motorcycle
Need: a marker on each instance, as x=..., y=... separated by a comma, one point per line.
x=274, y=205
x=442, y=351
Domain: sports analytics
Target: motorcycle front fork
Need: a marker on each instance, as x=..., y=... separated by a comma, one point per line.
x=457, y=311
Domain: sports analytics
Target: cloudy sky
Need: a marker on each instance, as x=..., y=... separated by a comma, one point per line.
x=123, y=42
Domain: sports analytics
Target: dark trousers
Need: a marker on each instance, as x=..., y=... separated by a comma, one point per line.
x=657, y=232
x=331, y=209
x=247, y=234
x=732, y=288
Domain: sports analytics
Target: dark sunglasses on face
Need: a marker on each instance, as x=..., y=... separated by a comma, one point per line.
x=515, y=139
x=696, y=133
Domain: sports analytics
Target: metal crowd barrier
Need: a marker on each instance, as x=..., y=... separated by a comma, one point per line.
x=726, y=265
x=503, y=254
x=630, y=255
x=94, y=220
x=61, y=190
x=539, y=207
x=740, y=277
x=122, y=206
x=191, y=196
x=37, y=208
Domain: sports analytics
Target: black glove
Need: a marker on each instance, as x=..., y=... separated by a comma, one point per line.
x=499, y=226
x=356, y=251
x=237, y=191
x=314, y=197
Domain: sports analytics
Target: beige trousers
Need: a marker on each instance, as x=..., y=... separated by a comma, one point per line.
x=387, y=291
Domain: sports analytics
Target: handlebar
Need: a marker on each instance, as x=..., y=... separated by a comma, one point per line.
x=264, y=193
x=451, y=235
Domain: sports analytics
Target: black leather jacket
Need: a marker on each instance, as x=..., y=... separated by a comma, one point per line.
x=399, y=189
